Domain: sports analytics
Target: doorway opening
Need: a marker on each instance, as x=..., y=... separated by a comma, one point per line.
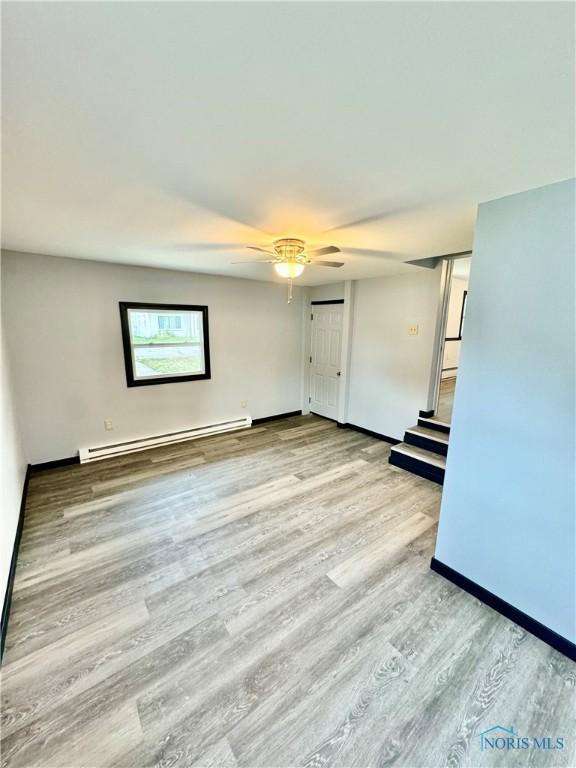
x=452, y=337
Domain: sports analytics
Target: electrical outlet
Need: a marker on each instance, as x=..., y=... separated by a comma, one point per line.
x=108, y=425
x=413, y=330
x=244, y=403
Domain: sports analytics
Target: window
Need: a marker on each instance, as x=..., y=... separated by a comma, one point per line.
x=164, y=343
x=451, y=319
x=463, y=313
x=169, y=322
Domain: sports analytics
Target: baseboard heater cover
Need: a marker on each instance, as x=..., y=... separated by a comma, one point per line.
x=143, y=443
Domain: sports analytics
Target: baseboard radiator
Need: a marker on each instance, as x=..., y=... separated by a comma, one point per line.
x=97, y=453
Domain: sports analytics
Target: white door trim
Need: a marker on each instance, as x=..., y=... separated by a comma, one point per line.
x=306, y=339
x=346, y=351
x=439, y=336
x=327, y=318
x=441, y=325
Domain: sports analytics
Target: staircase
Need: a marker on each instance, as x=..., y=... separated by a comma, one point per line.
x=424, y=449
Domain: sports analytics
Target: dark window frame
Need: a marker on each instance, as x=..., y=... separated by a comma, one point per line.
x=462, y=310
x=131, y=381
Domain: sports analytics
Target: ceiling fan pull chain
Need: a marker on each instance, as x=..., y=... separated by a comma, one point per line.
x=290, y=291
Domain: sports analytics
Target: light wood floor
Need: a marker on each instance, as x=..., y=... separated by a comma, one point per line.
x=261, y=598
x=446, y=400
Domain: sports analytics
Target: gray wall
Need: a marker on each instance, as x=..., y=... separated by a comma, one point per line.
x=12, y=466
x=390, y=370
x=63, y=329
x=327, y=292
x=507, y=520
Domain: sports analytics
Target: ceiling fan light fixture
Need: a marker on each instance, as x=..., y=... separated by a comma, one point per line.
x=289, y=269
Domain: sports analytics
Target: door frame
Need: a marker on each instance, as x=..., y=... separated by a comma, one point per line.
x=441, y=325
x=345, y=351
x=324, y=303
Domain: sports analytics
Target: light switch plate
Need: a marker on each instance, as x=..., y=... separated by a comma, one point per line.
x=413, y=330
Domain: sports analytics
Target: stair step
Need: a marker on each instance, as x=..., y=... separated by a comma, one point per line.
x=419, y=461
x=433, y=434
x=429, y=457
x=435, y=424
x=429, y=439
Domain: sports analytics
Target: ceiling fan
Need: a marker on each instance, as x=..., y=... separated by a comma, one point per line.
x=290, y=258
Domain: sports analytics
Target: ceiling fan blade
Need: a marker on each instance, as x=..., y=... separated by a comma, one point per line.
x=322, y=251
x=256, y=261
x=264, y=250
x=370, y=218
x=326, y=263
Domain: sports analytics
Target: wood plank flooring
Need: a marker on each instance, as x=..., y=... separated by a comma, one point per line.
x=261, y=598
x=446, y=400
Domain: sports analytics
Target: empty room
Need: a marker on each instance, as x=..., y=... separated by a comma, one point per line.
x=288, y=384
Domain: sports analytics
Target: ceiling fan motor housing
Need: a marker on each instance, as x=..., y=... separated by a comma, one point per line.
x=289, y=248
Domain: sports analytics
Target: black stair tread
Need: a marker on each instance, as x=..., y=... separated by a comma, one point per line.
x=429, y=457
x=433, y=434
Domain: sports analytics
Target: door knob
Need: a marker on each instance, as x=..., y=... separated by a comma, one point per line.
x=339, y=373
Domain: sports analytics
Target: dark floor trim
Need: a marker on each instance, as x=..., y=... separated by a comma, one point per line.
x=426, y=414
x=55, y=464
x=377, y=435
x=550, y=637
x=320, y=416
x=264, y=419
x=13, y=560
x=327, y=301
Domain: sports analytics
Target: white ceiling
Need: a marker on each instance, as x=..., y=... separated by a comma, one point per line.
x=165, y=133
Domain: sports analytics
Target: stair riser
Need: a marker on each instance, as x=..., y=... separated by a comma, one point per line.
x=417, y=467
x=432, y=425
x=428, y=443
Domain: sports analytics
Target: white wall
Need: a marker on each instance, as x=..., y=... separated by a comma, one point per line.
x=327, y=292
x=63, y=328
x=451, y=356
x=390, y=370
x=507, y=519
x=13, y=467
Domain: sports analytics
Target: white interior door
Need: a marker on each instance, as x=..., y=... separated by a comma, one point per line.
x=325, y=359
